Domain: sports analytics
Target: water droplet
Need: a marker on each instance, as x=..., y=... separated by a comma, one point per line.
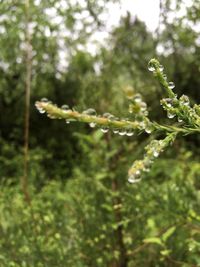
x=161, y=68
x=151, y=66
x=67, y=121
x=167, y=101
x=169, y=105
x=171, y=85
x=155, y=153
x=115, y=131
x=129, y=132
x=112, y=118
x=90, y=111
x=170, y=115
x=109, y=116
x=92, y=124
x=146, y=169
x=165, y=76
x=65, y=108
x=143, y=106
x=184, y=100
x=142, y=125
x=104, y=129
x=39, y=108
x=44, y=100
x=122, y=132
x=132, y=179
x=106, y=115
x=148, y=128
x=137, y=172
x=137, y=98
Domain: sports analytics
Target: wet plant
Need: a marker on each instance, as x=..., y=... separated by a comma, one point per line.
x=185, y=120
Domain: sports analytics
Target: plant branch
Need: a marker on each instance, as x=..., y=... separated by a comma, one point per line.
x=58, y=113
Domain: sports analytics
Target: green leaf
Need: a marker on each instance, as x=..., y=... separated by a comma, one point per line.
x=153, y=240
x=168, y=233
x=165, y=252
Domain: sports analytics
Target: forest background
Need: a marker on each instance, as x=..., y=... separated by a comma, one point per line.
x=81, y=211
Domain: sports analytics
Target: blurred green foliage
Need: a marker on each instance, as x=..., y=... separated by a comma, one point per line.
x=83, y=212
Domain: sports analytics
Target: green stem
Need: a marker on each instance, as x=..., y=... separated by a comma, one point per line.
x=74, y=115
x=161, y=78
x=56, y=112
x=171, y=129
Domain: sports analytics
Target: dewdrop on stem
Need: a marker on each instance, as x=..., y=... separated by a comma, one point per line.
x=90, y=112
x=184, y=100
x=65, y=108
x=137, y=98
x=104, y=129
x=129, y=132
x=132, y=179
x=155, y=153
x=115, y=131
x=161, y=68
x=170, y=115
x=151, y=66
x=148, y=128
x=171, y=85
x=92, y=124
x=39, y=108
x=44, y=100
x=122, y=132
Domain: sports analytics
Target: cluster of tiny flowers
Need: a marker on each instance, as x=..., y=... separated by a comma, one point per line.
x=170, y=105
x=138, y=110
x=137, y=107
x=188, y=114
x=180, y=108
x=176, y=107
x=153, y=151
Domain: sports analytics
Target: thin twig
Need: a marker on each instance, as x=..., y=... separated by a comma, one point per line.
x=24, y=179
